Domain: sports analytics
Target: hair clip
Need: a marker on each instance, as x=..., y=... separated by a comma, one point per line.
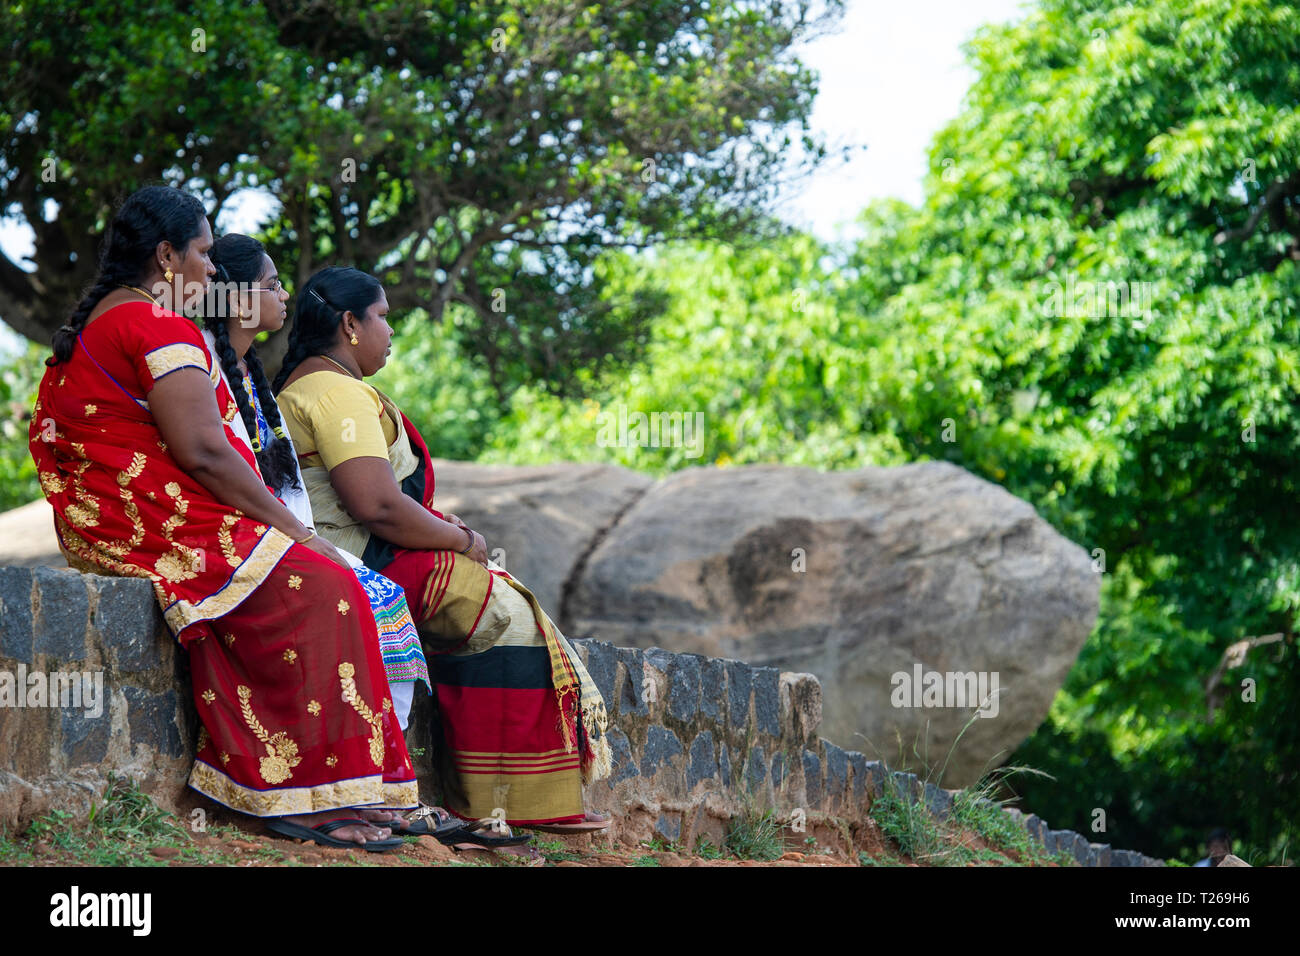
x=318, y=296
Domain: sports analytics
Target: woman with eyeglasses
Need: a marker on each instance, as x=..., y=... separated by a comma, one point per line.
x=248, y=299
x=133, y=443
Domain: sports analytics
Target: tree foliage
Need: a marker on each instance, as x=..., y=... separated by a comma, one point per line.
x=479, y=153
x=1095, y=306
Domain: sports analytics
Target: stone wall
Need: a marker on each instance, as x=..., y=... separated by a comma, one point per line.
x=695, y=739
x=64, y=622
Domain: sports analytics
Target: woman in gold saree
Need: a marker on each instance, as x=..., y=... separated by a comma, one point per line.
x=524, y=724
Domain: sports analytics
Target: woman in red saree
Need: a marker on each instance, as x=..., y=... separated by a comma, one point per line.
x=133, y=448
x=523, y=722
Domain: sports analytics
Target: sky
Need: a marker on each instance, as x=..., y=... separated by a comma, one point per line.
x=891, y=75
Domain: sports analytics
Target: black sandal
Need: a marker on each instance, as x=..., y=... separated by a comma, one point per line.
x=417, y=824
x=320, y=834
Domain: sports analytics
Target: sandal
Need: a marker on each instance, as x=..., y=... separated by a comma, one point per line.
x=589, y=825
x=469, y=834
x=417, y=824
x=320, y=834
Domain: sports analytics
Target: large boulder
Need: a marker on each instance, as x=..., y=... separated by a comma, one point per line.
x=854, y=576
x=540, y=522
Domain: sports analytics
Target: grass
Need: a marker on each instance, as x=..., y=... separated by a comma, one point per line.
x=645, y=861
x=752, y=835
x=555, y=851
x=705, y=850
x=659, y=844
x=906, y=819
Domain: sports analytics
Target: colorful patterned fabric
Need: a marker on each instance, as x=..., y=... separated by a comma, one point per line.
x=399, y=642
x=287, y=674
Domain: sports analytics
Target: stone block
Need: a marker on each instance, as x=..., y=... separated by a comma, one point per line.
x=669, y=826
x=16, y=631
x=128, y=623
x=661, y=746
x=767, y=700
x=703, y=764
x=756, y=771
x=631, y=699
x=713, y=688
x=740, y=681
x=602, y=665
x=938, y=800
x=801, y=707
x=152, y=718
x=684, y=686
x=812, y=779
x=85, y=738
x=624, y=765
x=858, y=764
x=62, y=613
x=837, y=771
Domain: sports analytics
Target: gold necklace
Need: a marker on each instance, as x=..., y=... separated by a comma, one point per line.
x=142, y=292
x=339, y=365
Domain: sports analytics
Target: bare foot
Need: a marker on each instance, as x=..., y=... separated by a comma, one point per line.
x=356, y=833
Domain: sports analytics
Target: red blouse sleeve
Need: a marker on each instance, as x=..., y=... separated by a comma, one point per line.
x=161, y=344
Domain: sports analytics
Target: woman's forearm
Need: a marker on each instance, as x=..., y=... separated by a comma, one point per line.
x=406, y=523
x=233, y=483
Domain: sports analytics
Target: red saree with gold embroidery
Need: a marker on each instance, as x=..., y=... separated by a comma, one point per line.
x=285, y=661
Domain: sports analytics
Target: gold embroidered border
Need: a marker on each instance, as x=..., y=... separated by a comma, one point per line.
x=261, y=561
x=171, y=357
x=359, y=792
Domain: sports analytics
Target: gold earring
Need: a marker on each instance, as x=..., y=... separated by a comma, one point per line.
x=354, y=339
x=169, y=275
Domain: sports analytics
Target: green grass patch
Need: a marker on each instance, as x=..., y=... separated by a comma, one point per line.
x=706, y=850
x=752, y=835
x=555, y=851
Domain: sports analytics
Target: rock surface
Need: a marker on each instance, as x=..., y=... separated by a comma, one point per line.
x=853, y=576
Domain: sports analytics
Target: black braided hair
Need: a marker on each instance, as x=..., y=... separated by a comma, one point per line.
x=318, y=312
x=149, y=216
x=238, y=260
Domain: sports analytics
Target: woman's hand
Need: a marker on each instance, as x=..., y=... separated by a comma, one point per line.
x=325, y=549
x=479, y=551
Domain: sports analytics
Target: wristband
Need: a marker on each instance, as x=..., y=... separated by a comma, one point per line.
x=469, y=547
x=306, y=539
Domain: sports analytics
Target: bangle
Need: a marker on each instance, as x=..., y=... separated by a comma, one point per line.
x=306, y=539
x=469, y=547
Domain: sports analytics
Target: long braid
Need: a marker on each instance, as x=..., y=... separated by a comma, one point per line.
x=281, y=452
x=297, y=353
x=230, y=365
x=149, y=216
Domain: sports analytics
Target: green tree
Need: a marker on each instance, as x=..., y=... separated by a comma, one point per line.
x=480, y=153
x=1095, y=306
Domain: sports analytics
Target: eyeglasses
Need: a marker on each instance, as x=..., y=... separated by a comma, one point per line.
x=275, y=286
